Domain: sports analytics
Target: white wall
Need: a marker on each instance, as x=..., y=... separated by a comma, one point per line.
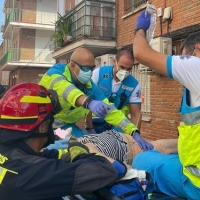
x=46, y=11
x=61, y=7
x=42, y=54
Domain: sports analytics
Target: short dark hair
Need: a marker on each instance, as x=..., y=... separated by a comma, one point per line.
x=124, y=51
x=190, y=41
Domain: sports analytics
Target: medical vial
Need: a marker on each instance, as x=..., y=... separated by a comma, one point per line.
x=150, y=32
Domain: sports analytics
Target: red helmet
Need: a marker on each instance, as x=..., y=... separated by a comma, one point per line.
x=24, y=106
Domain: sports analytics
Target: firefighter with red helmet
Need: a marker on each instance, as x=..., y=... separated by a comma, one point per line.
x=26, y=173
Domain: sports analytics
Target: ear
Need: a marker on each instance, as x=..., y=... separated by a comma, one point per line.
x=114, y=61
x=197, y=50
x=197, y=46
x=72, y=65
x=41, y=128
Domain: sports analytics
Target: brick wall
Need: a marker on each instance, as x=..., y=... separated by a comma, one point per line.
x=27, y=44
x=185, y=13
x=28, y=11
x=165, y=94
x=28, y=74
x=67, y=4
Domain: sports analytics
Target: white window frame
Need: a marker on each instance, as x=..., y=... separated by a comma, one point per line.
x=144, y=80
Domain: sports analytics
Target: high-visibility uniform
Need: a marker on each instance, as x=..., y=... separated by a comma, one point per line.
x=28, y=175
x=60, y=79
x=179, y=174
x=121, y=97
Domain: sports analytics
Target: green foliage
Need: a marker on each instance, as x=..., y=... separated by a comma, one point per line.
x=63, y=27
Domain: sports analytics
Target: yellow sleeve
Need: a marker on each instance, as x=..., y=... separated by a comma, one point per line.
x=117, y=118
x=66, y=90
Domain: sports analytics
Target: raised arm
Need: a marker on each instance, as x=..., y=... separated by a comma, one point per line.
x=143, y=53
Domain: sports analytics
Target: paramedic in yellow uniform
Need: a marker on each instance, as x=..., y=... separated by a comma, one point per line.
x=175, y=174
x=78, y=95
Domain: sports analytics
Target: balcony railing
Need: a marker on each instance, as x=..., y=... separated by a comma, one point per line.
x=28, y=55
x=91, y=19
x=30, y=16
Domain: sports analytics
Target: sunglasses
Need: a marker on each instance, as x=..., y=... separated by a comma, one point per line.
x=85, y=68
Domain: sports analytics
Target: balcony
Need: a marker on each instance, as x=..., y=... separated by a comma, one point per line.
x=30, y=18
x=24, y=57
x=92, y=27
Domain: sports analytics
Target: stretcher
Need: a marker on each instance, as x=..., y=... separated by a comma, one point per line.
x=105, y=194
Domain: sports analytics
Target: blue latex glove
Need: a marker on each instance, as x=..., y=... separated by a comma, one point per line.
x=59, y=144
x=91, y=131
x=143, y=144
x=99, y=108
x=143, y=21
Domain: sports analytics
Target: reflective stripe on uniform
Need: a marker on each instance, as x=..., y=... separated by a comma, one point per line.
x=61, y=152
x=3, y=173
x=123, y=124
x=67, y=91
x=59, y=78
x=112, y=107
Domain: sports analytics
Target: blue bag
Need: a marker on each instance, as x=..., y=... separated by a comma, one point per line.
x=132, y=189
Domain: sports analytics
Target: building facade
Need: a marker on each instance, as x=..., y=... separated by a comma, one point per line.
x=27, y=47
x=105, y=26
x=161, y=96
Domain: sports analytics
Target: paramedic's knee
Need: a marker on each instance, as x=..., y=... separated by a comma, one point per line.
x=148, y=160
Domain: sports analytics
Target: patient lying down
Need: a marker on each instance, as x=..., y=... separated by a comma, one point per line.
x=122, y=146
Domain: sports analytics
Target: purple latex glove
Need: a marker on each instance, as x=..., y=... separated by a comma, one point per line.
x=143, y=21
x=143, y=144
x=99, y=108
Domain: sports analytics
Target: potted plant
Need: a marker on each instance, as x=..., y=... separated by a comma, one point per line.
x=57, y=38
x=63, y=30
x=64, y=26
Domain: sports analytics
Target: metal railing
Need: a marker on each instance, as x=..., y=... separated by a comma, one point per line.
x=95, y=20
x=30, y=16
x=28, y=55
x=96, y=32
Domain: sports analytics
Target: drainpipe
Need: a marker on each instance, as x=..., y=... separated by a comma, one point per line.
x=11, y=42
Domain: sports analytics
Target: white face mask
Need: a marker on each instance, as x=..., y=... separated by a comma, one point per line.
x=122, y=74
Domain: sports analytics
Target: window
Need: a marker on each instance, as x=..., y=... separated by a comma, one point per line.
x=131, y=5
x=144, y=81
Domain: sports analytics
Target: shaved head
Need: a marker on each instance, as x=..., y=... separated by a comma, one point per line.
x=83, y=56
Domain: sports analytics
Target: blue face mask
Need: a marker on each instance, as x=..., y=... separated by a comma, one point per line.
x=84, y=77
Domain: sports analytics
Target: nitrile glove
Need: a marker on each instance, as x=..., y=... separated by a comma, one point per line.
x=89, y=131
x=99, y=108
x=59, y=144
x=120, y=168
x=143, y=21
x=143, y=144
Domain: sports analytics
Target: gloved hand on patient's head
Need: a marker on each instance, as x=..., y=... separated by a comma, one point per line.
x=75, y=149
x=143, y=144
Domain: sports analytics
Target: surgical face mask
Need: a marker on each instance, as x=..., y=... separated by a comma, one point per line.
x=122, y=74
x=84, y=77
